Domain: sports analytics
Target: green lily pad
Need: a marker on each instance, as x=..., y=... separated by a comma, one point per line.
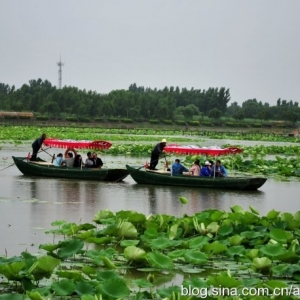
x=195, y=257
x=158, y=260
x=115, y=288
x=133, y=253
x=63, y=287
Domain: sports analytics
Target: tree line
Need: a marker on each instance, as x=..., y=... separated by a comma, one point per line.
x=139, y=103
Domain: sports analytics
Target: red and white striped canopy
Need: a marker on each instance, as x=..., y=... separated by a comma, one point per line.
x=73, y=144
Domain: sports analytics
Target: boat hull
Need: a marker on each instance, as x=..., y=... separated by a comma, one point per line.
x=44, y=169
x=226, y=183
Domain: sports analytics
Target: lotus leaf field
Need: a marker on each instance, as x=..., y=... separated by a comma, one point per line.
x=212, y=250
x=282, y=161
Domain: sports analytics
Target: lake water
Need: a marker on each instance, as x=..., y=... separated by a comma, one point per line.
x=29, y=205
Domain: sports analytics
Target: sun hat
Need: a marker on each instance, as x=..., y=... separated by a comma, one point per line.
x=207, y=163
x=164, y=141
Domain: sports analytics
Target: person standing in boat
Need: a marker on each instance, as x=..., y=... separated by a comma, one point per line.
x=156, y=152
x=178, y=168
x=195, y=169
x=36, y=146
x=97, y=161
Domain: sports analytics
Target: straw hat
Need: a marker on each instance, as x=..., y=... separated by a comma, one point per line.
x=207, y=163
x=164, y=141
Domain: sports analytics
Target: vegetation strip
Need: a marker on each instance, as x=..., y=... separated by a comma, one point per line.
x=211, y=248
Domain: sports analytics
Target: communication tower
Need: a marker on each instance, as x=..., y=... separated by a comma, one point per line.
x=60, y=64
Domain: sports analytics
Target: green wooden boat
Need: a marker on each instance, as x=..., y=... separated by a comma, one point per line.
x=46, y=169
x=165, y=178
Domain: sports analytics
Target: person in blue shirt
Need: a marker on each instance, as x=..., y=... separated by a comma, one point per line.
x=206, y=170
x=58, y=160
x=178, y=168
x=220, y=170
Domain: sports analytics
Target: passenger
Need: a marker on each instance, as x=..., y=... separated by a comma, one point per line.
x=69, y=158
x=77, y=161
x=89, y=163
x=205, y=170
x=157, y=150
x=178, y=168
x=36, y=146
x=220, y=170
x=195, y=169
x=97, y=161
x=58, y=160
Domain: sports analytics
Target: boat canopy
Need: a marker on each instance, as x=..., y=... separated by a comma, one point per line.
x=73, y=144
x=194, y=150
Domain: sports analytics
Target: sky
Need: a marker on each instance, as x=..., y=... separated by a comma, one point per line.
x=251, y=47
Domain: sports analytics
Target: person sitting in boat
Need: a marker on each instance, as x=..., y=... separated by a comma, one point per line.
x=58, y=160
x=195, y=169
x=97, y=161
x=205, y=170
x=156, y=152
x=69, y=158
x=89, y=162
x=219, y=170
x=77, y=161
x=178, y=168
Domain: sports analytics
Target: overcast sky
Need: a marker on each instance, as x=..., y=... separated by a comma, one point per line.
x=251, y=47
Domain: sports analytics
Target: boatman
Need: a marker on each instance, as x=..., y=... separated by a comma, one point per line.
x=36, y=146
x=157, y=150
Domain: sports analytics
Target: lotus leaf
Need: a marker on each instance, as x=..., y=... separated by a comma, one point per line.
x=223, y=280
x=237, y=209
x=198, y=242
x=102, y=215
x=59, y=223
x=176, y=253
x=84, y=287
x=44, y=267
x=218, y=215
x=160, y=261
x=195, y=283
x=127, y=229
x=195, y=257
x=108, y=263
x=99, y=241
x=151, y=233
x=213, y=227
x=225, y=230
x=34, y=295
x=235, y=251
x=161, y=243
x=133, y=253
x=272, y=251
x=131, y=216
x=280, y=235
x=114, y=288
x=273, y=214
x=103, y=275
x=75, y=275
x=261, y=263
x=48, y=247
x=142, y=283
x=69, y=248
x=235, y=240
x=173, y=231
x=13, y=270
x=126, y=243
x=63, y=287
x=183, y=200
x=253, y=210
x=288, y=257
x=215, y=248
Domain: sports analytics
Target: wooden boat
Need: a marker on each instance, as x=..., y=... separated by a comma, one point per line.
x=165, y=178
x=46, y=169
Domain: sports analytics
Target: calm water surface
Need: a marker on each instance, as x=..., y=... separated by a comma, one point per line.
x=29, y=205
